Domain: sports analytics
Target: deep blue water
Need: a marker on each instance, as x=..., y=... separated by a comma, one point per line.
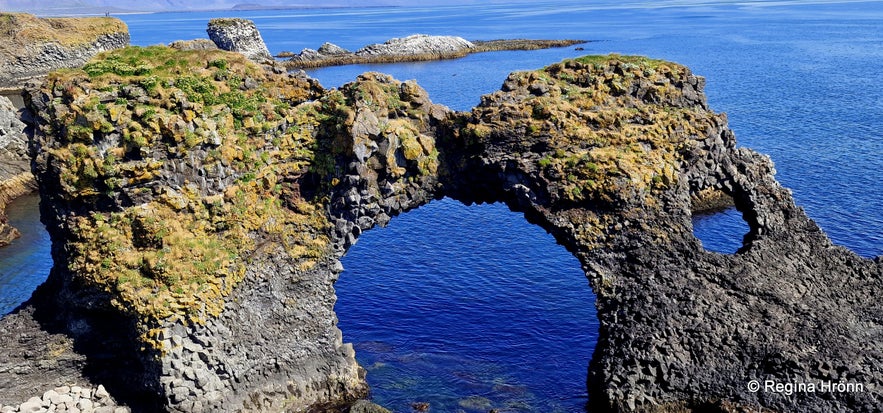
x=25, y=263
x=451, y=302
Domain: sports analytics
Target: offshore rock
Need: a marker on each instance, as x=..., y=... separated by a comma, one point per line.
x=331, y=49
x=32, y=47
x=239, y=35
x=417, y=47
x=417, y=44
x=198, y=211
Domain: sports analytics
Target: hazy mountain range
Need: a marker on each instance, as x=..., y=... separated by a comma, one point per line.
x=59, y=7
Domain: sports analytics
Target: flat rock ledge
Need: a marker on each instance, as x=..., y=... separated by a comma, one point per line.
x=417, y=47
x=200, y=276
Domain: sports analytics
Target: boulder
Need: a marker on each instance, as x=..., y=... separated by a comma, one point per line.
x=331, y=49
x=195, y=44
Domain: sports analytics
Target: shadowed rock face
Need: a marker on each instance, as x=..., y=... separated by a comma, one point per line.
x=15, y=170
x=197, y=225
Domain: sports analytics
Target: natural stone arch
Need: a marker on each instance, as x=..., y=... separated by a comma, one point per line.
x=478, y=288
x=605, y=153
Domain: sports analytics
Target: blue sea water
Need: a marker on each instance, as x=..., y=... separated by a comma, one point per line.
x=471, y=308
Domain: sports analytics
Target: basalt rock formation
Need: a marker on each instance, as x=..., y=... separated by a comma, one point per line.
x=239, y=35
x=32, y=47
x=198, y=205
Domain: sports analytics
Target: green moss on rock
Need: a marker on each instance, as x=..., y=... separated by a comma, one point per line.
x=130, y=125
x=610, y=125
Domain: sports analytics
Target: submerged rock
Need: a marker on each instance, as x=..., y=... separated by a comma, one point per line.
x=239, y=35
x=198, y=211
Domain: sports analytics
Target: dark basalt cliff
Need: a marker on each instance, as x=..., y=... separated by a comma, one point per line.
x=198, y=205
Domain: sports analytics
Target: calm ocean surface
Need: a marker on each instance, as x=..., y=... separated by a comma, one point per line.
x=471, y=308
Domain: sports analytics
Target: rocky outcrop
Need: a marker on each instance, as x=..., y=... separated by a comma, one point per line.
x=417, y=44
x=417, y=47
x=32, y=47
x=239, y=35
x=197, y=224
x=15, y=169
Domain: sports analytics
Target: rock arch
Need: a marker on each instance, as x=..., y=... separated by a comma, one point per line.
x=605, y=153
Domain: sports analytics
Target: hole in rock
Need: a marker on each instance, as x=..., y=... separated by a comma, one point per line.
x=468, y=308
x=720, y=231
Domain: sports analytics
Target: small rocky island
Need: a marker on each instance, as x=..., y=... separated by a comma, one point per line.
x=417, y=47
x=242, y=36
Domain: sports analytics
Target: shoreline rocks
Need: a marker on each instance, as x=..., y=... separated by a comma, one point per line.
x=31, y=47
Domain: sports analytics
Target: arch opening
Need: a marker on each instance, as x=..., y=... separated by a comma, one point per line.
x=468, y=308
x=723, y=230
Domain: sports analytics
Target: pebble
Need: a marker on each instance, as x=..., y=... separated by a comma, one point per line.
x=70, y=399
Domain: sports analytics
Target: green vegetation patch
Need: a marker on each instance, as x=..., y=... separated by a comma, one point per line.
x=615, y=126
x=134, y=118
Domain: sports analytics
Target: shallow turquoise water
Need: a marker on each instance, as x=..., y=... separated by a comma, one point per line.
x=453, y=304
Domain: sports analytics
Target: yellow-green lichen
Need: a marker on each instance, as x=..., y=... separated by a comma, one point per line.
x=130, y=113
x=609, y=123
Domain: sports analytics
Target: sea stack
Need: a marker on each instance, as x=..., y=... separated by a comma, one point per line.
x=239, y=35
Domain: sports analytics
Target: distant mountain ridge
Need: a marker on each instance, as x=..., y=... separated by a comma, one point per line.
x=70, y=7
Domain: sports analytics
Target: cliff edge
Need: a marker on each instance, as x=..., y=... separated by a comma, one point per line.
x=32, y=46
x=198, y=205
